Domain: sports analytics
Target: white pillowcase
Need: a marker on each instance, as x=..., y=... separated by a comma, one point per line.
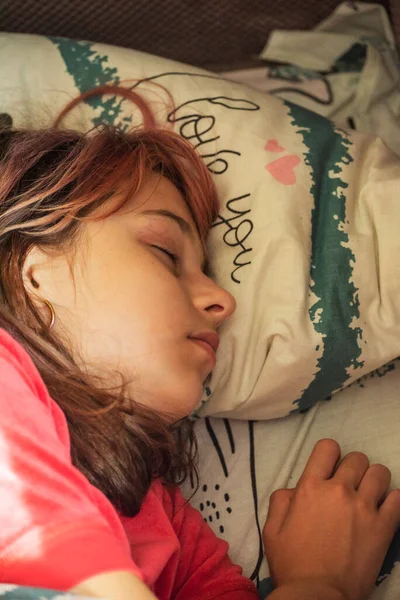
x=308, y=234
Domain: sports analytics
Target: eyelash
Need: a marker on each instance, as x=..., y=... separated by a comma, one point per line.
x=175, y=259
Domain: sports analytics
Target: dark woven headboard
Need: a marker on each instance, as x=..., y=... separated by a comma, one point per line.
x=216, y=34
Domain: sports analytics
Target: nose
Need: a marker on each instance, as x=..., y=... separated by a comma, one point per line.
x=215, y=301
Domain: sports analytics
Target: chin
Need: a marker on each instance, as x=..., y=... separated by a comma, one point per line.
x=178, y=399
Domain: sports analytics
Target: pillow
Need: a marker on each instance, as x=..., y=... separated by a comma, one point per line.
x=307, y=238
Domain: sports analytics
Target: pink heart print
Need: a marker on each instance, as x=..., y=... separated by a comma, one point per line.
x=282, y=169
x=273, y=146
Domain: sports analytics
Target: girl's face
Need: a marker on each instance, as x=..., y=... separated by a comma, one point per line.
x=127, y=306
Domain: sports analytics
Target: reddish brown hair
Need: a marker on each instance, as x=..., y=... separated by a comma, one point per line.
x=50, y=182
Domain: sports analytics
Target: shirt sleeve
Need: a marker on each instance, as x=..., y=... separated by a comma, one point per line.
x=205, y=570
x=53, y=533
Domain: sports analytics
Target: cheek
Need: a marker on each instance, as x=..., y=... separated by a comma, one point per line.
x=122, y=271
x=139, y=302
x=129, y=305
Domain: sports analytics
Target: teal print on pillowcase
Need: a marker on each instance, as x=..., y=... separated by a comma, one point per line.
x=89, y=69
x=331, y=271
x=327, y=149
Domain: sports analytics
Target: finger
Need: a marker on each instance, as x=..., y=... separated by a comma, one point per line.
x=390, y=510
x=279, y=503
x=375, y=484
x=352, y=469
x=322, y=461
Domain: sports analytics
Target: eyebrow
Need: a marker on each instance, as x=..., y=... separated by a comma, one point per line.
x=183, y=225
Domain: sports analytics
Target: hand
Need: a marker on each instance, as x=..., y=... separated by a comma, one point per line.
x=333, y=530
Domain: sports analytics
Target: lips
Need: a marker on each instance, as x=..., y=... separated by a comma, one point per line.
x=209, y=337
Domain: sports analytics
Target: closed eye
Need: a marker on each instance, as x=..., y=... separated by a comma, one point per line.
x=175, y=259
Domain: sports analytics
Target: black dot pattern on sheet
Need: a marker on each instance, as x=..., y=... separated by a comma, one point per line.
x=211, y=509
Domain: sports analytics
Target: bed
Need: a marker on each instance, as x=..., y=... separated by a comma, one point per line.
x=242, y=461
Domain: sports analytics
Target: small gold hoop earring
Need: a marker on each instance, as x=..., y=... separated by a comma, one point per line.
x=52, y=313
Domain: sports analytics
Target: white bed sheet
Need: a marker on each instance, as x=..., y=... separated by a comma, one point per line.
x=243, y=462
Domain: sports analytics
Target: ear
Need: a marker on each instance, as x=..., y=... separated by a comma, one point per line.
x=34, y=273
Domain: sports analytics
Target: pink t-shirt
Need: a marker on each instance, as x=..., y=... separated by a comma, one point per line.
x=56, y=529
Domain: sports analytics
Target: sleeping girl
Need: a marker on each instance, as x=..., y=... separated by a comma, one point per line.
x=109, y=329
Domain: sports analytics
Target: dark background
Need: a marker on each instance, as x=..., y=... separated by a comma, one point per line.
x=215, y=34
